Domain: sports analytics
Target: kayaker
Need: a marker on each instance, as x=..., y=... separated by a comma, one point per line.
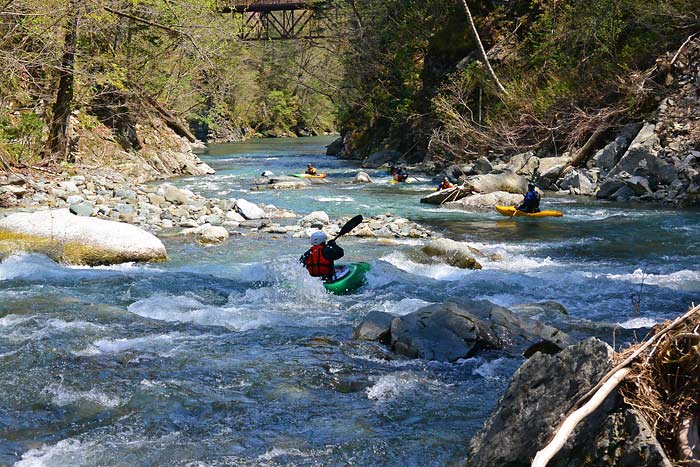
x=531, y=202
x=445, y=184
x=320, y=257
x=401, y=174
x=310, y=169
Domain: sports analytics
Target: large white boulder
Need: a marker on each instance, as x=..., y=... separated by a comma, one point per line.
x=316, y=217
x=249, y=210
x=506, y=181
x=72, y=239
x=485, y=202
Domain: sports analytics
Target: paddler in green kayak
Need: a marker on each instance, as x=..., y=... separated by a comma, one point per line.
x=310, y=169
x=320, y=257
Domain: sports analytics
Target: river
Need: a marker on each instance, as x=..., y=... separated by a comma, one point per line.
x=231, y=356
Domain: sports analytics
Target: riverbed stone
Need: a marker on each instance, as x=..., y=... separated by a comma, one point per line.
x=485, y=202
x=248, y=210
x=376, y=326
x=82, y=209
x=315, y=218
x=175, y=195
x=73, y=239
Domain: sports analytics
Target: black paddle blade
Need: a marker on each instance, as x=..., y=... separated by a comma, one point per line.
x=349, y=225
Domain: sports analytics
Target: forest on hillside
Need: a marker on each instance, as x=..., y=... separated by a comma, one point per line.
x=398, y=74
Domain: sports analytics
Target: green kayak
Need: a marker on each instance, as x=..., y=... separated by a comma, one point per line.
x=349, y=277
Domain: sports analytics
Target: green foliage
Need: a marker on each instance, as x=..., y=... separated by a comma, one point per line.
x=20, y=135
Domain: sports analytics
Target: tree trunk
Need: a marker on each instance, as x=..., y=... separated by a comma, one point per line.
x=584, y=153
x=57, y=145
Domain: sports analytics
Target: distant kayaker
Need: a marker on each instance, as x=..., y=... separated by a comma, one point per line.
x=310, y=169
x=445, y=184
x=400, y=174
x=320, y=257
x=531, y=203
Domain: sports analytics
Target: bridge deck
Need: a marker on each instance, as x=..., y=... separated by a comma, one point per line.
x=262, y=6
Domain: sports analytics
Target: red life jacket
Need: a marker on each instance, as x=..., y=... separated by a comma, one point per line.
x=317, y=264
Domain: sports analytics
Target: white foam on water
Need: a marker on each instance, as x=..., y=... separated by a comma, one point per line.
x=63, y=396
x=391, y=386
x=9, y=321
x=299, y=300
x=637, y=323
x=491, y=369
x=278, y=452
x=160, y=344
x=442, y=272
x=30, y=266
x=684, y=279
x=74, y=326
x=338, y=199
x=403, y=306
x=67, y=452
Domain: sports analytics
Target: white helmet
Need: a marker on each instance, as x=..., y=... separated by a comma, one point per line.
x=318, y=238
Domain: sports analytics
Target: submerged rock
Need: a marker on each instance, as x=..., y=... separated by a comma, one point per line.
x=460, y=328
x=453, y=253
x=72, y=239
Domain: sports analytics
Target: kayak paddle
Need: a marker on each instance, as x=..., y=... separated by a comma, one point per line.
x=349, y=225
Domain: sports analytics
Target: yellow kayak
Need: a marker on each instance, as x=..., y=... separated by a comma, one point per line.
x=510, y=211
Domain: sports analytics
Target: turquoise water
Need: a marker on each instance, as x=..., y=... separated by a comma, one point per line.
x=230, y=355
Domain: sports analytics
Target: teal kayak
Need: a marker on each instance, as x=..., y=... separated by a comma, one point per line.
x=348, y=278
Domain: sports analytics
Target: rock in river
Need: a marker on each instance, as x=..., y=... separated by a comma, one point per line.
x=72, y=239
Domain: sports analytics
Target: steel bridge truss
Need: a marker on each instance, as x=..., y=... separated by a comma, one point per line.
x=282, y=19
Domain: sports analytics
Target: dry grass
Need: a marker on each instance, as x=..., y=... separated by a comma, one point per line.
x=665, y=383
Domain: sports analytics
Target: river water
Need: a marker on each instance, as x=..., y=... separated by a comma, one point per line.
x=231, y=356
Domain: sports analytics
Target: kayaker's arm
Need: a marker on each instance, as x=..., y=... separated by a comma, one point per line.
x=305, y=257
x=332, y=251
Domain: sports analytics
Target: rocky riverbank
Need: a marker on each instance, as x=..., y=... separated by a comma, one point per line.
x=654, y=160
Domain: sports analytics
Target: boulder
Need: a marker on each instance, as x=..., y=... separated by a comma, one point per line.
x=551, y=169
x=507, y=181
x=641, y=158
x=485, y=202
x=439, y=197
x=335, y=147
x=376, y=326
x=380, y=158
x=175, y=195
x=73, y=239
x=460, y=328
x=539, y=393
x=209, y=234
x=362, y=177
x=453, y=253
x=577, y=182
x=526, y=164
x=315, y=218
x=248, y=210
x=480, y=166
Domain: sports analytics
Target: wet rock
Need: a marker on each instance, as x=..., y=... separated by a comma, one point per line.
x=73, y=239
x=453, y=253
x=380, y=158
x=376, y=326
x=461, y=328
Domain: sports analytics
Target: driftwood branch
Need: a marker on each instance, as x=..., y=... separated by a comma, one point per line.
x=584, y=153
x=548, y=452
x=675, y=57
x=172, y=120
x=592, y=394
x=481, y=48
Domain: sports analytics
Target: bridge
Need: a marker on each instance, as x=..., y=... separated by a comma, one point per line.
x=281, y=19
